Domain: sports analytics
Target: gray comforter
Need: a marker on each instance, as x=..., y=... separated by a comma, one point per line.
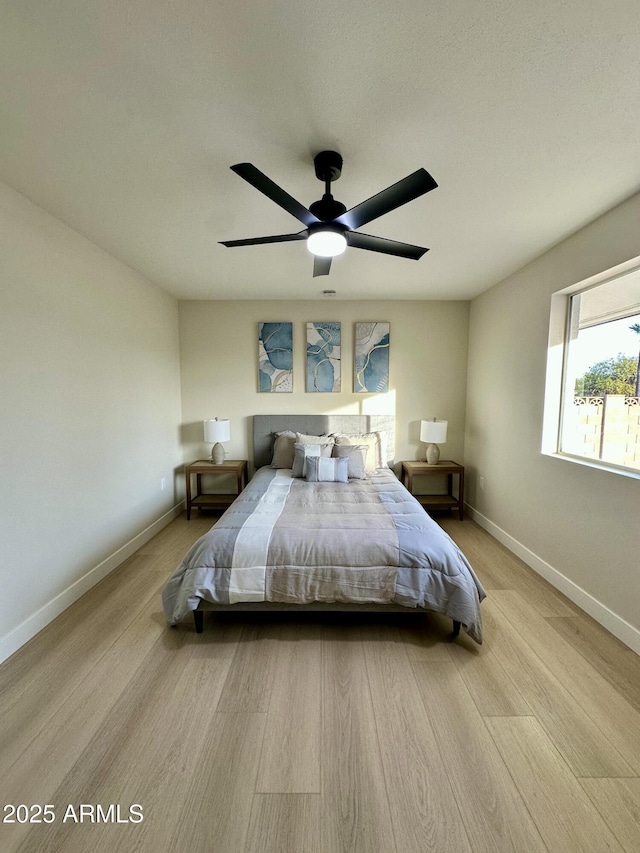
x=287, y=540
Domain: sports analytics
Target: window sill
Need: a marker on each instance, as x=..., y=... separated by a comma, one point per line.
x=598, y=464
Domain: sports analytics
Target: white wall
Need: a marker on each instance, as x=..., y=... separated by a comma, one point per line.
x=98, y=393
x=219, y=358
x=90, y=398
x=576, y=525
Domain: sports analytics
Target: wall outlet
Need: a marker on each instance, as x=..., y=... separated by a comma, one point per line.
x=481, y=483
x=163, y=484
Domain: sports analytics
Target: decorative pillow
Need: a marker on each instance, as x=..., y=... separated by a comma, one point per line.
x=374, y=441
x=301, y=438
x=323, y=470
x=302, y=453
x=356, y=454
x=283, y=449
x=384, y=442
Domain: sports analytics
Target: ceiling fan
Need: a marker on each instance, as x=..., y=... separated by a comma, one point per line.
x=330, y=227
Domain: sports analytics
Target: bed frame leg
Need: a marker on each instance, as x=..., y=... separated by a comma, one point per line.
x=198, y=618
x=456, y=628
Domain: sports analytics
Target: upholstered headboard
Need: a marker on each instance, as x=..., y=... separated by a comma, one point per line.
x=264, y=427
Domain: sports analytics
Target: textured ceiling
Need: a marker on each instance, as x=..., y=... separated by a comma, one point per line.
x=122, y=117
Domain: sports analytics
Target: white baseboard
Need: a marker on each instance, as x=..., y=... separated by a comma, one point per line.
x=20, y=635
x=615, y=624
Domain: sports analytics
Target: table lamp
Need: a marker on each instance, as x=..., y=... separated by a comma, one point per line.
x=216, y=431
x=433, y=433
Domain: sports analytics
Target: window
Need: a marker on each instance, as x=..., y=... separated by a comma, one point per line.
x=592, y=402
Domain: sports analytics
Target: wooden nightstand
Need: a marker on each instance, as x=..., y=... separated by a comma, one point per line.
x=213, y=501
x=422, y=469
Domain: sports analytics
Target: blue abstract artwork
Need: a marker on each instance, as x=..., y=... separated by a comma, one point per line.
x=323, y=357
x=371, y=358
x=275, y=357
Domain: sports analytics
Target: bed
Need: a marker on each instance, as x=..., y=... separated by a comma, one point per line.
x=318, y=534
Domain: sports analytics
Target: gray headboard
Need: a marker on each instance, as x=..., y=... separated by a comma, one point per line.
x=264, y=426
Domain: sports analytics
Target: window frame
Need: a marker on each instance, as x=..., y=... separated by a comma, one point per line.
x=555, y=394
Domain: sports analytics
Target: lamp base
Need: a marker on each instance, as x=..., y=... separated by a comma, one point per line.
x=433, y=454
x=217, y=453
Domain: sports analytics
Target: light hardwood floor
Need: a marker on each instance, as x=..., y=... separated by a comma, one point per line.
x=323, y=733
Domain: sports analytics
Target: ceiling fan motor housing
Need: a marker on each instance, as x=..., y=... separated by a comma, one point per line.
x=327, y=209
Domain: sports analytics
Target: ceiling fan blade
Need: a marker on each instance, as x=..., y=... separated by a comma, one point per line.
x=414, y=185
x=276, y=238
x=261, y=182
x=321, y=266
x=387, y=247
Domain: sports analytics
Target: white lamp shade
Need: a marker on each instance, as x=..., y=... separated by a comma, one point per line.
x=215, y=430
x=326, y=244
x=433, y=432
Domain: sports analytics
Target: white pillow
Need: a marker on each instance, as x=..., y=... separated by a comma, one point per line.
x=376, y=442
x=301, y=438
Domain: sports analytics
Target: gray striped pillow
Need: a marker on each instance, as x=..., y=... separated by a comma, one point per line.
x=323, y=470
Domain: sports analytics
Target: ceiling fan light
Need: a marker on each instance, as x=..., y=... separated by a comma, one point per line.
x=326, y=243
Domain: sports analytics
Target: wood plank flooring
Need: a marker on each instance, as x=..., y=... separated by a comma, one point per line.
x=321, y=733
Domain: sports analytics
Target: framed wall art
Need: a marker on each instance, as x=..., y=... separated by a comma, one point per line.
x=371, y=358
x=275, y=357
x=323, y=357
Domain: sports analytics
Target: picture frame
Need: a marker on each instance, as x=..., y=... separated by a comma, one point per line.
x=324, y=357
x=371, y=358
x=275, y=357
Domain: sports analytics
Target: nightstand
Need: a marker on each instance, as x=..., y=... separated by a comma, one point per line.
x=213, y=501
x=410, y=470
